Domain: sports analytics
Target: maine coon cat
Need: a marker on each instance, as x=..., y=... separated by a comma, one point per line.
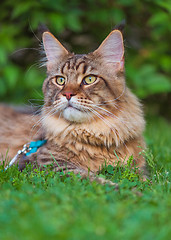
x=89, y=115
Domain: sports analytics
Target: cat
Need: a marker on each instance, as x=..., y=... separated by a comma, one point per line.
x=90, y=117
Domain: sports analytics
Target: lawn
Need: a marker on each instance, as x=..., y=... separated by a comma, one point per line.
x=43, y=205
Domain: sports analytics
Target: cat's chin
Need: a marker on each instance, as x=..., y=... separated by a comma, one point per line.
x=74, y=115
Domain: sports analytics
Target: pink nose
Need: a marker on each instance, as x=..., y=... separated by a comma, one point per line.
x=68, y=95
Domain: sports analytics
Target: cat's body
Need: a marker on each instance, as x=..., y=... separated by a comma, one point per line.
x=89, y=116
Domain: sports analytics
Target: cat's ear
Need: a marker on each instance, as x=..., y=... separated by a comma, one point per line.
x=111, y=50
x=53, y=48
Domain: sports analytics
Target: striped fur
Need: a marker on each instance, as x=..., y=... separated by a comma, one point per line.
x=88, y=124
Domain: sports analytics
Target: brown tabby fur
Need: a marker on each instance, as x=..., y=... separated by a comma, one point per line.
x=111, y=122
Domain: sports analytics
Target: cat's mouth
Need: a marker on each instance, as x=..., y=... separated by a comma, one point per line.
x=70, y=106
x=74, y=114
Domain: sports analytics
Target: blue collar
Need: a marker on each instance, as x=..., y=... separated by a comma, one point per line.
x=28, y=149
x=33, y=146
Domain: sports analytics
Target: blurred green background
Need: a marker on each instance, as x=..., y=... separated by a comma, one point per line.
x=81, y=26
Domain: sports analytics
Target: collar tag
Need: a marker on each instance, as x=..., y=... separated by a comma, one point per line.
x=27, y=150
x=33, y=147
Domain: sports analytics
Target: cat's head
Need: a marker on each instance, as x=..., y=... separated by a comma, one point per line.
x=83, y=87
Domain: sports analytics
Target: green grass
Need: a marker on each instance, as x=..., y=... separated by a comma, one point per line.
x=43, y=205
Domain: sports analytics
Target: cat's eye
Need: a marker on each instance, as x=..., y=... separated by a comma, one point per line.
x=60, y=80
x=89, y=79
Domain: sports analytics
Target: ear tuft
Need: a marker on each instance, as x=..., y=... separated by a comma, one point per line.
x=112, y=49
x=120, y=26
x=53, y=48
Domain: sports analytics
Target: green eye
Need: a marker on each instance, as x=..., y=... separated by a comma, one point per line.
x=89, y=79
x=60, y=80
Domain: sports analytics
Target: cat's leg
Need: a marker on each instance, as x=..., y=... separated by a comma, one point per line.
x=63, y=166
x=93, y=177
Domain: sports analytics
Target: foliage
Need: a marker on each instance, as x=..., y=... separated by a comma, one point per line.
x=43, y=204
x=83, y=25
x=121, y=172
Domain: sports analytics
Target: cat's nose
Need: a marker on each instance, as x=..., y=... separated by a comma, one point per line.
x=68, y=95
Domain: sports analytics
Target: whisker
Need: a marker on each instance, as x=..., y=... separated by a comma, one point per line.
x=84, y=109
x=89, y=102
x=27, y=72
x=98, y=106
x=47, y=114
x=34, y=33
x=34, y=99
x=105, y=111
x=23, y=49
x=42, y=118
x=108, y=124
x=115, y=98
x=56, y=108
x=59, y=105
x=108, y=113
